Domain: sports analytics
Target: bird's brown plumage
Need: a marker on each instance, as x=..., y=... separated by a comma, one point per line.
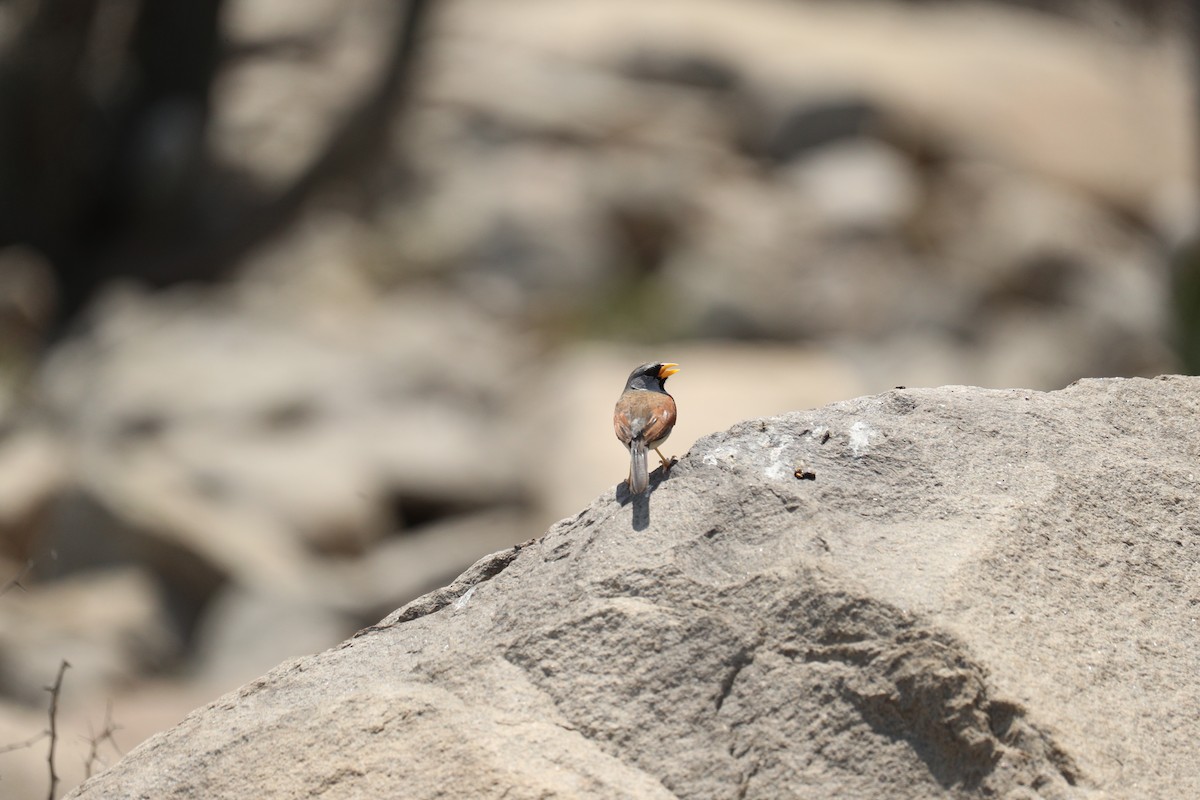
x=643, y=419
x=649, y=415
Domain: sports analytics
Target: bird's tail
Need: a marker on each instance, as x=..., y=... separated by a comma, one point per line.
x=639, y=476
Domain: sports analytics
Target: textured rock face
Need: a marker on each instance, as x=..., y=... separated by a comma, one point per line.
x=945, y=592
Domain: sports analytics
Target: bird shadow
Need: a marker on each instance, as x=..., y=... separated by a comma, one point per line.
x=641, y=510
x=641, y=502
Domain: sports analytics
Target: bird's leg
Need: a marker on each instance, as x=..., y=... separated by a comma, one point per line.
x=666, y=463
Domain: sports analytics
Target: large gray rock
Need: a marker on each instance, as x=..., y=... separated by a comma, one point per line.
x=948, y=592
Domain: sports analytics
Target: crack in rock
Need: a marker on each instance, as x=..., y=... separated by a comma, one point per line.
x=481, y=571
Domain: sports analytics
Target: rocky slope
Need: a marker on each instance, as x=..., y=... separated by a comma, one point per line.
x=949, y=592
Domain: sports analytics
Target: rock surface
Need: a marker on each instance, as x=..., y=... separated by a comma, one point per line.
x=950, y=592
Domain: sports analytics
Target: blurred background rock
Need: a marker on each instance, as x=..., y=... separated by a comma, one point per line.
x=304, y=306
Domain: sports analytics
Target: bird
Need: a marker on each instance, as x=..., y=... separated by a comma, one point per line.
x=643, y=419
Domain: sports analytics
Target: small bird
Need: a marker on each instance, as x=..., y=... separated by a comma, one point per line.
x=643, y=419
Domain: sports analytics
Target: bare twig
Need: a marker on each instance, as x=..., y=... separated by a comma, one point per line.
x=15, y=583
x=54, y=692
x=30, y=742
x=95, y=740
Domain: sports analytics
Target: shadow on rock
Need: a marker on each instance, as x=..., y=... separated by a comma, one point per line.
x=641, y=502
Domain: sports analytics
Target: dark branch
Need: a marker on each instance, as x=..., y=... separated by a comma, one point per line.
x=54, y=692
x=286, y=47
x=15, y=583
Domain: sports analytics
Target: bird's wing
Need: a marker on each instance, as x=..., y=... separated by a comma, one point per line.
x=644, y=415
x=660, y=422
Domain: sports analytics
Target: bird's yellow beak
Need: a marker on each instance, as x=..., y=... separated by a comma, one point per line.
x=667, y=370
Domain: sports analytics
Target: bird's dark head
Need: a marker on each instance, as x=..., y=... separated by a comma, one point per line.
x=651, y=377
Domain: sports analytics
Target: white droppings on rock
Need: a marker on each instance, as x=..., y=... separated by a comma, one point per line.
x=718, y=454
x=860, y=438
x=466, y=598
x=777, y=468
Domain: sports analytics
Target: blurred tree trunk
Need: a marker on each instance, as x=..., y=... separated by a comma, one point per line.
x=110, y=175
x=91, y=177
x=1185, y=262
x=42, y=110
